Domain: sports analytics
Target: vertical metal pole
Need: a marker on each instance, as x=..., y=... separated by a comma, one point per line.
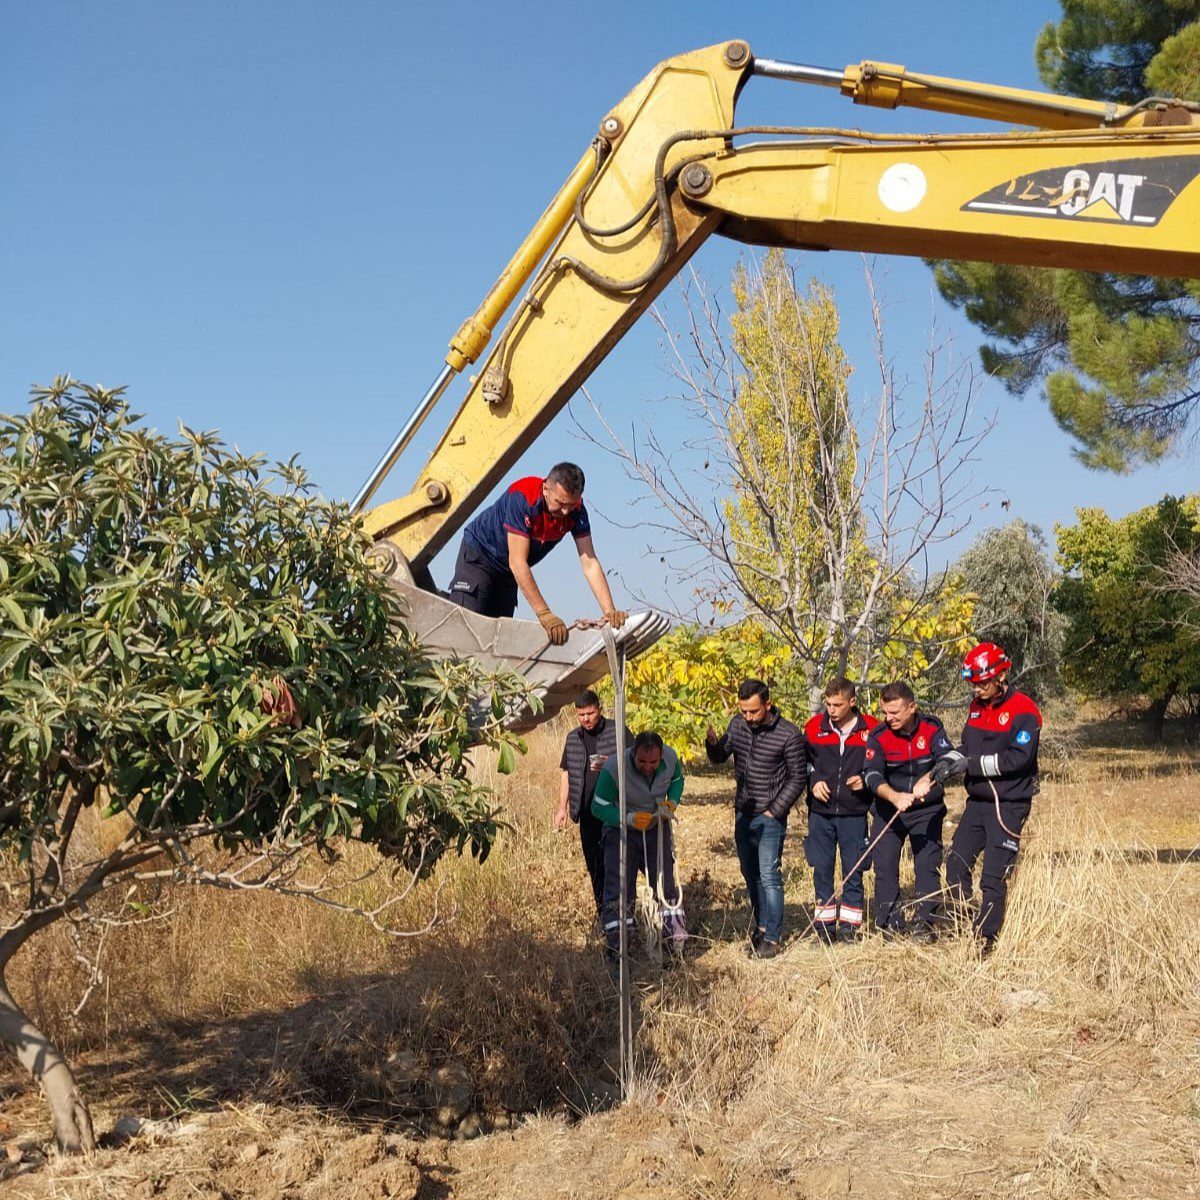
x=616, y=665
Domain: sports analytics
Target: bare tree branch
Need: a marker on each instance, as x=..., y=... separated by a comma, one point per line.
x=818, y=513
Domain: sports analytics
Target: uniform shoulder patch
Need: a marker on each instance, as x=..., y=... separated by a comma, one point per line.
x=1024, y=737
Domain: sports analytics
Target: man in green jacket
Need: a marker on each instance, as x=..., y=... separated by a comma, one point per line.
x=653, y=788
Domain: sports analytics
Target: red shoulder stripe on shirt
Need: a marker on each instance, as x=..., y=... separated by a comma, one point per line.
x=530, y=488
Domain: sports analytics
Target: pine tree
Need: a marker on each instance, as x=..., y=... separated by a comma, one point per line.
x=1118, y=356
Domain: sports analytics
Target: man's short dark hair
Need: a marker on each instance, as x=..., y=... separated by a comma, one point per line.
x=898, y=691
x=568, y=476
x=587, y=699
x=647, y=741
x=839, y=685
x=749, y=688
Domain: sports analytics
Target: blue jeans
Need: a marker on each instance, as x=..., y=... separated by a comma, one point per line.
x=759, y=842
x=827, y=838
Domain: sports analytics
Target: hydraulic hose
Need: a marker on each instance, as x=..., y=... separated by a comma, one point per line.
x=661, y=200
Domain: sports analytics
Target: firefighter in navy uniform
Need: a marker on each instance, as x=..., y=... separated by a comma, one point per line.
x=1000, y=745
x=835, y=742
x=908, y=757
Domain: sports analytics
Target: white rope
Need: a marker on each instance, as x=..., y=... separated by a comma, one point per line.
x=654, y=910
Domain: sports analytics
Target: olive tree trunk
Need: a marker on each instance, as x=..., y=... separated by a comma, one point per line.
x=44, y=1061
x=1156, y=717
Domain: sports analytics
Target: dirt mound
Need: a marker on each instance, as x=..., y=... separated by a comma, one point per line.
x=311, y=1161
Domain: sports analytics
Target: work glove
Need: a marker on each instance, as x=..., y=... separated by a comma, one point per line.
x=953, y=764
x=555, y=627
x=666, y=809
x=641, y=821
x=616, y=618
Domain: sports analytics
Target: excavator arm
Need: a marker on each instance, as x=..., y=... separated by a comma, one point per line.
x=1091, y=186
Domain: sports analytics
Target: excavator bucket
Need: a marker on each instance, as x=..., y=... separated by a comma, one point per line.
x=557, y=674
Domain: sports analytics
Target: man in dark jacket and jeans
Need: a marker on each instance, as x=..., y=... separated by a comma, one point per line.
x=586, y=750
x=835, y=744
x=768, y=762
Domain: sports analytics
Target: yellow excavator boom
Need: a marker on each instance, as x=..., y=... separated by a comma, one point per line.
x=1091, y=185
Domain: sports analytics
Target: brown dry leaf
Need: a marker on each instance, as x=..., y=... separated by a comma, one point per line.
x=278, y=701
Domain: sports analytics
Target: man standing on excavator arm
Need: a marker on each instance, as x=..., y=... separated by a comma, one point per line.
x=507, y=539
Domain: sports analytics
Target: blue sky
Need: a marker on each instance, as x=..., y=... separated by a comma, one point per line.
x=268, y=218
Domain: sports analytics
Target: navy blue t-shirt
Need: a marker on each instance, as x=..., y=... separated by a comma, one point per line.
x=522, y=510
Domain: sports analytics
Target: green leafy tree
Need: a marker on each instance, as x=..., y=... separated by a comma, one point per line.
x=1012, y=578
x=196, y=652
x=1129, y=636
x=690, y=679
x=1118, y=356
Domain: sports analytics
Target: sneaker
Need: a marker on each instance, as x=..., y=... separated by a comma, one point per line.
x=827, y=932
x=766, y=949
x=756, y=937
x=849, y=934
x=924, y=934
x=890, y=933
x=986, y=946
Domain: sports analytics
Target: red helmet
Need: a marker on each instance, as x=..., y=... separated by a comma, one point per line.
x=985, y=662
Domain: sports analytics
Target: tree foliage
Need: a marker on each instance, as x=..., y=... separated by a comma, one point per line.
x=1012, y=578
x=197, y=646
x=1118, y=356
x=1129, y=637
x=799, y=463
x=690, y=678
x=813, y=517
x=1114, y=50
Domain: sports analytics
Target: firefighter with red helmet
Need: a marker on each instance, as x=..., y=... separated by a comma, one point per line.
x=1000, y=745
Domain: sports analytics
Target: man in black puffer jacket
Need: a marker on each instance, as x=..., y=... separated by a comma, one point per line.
x=768, y=762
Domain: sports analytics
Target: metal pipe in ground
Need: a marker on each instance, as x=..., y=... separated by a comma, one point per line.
x=616, y=665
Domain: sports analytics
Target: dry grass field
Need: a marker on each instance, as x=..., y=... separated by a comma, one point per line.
x=285, y=1049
